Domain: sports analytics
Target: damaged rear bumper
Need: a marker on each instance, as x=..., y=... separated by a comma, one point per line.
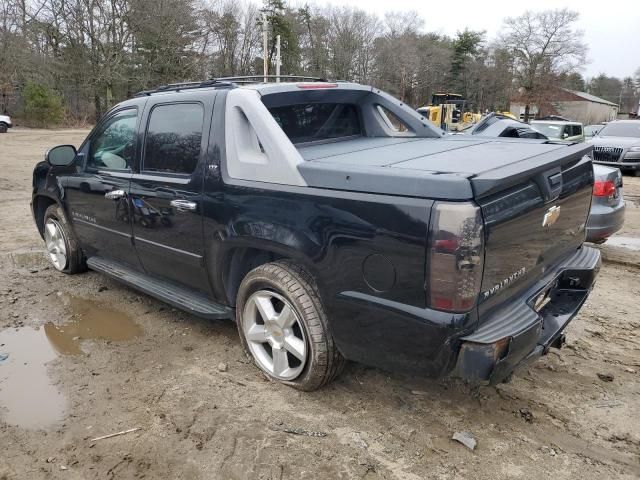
x=524, y=330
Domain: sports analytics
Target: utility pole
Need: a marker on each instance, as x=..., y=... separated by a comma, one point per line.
x=278, y=61
x=265, y=24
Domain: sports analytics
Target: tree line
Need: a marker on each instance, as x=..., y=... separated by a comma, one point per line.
x=77, y=58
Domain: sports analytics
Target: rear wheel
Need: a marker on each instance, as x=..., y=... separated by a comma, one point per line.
x=284, y=329
x=3, y=127
x=62, y=247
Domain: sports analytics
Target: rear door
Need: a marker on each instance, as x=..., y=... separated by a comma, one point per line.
x=96, y=194
x=166, y=191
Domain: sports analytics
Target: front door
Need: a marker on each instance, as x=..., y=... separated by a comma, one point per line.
x=96, y=194
x=166, y=192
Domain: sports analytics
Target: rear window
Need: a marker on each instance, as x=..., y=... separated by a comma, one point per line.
x=311, y=122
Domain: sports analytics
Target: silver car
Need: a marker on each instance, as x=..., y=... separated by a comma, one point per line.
x=607, y=206
x=618, y=145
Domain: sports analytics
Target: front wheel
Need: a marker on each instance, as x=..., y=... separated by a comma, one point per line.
x=284, y=329
x=3, y=127
x=62, y=247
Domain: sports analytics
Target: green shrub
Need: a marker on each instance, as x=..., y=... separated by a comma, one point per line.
x=42, y=106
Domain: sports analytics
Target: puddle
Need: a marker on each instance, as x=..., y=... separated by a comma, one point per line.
x=630, y=243
x=28, y=398
x=89, y=321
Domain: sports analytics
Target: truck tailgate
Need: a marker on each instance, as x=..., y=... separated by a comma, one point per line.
x=535, y=212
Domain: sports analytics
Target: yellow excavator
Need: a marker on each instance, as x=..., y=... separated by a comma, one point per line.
x=447, y=110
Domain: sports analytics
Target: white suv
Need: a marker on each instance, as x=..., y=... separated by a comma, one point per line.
x=5, y=123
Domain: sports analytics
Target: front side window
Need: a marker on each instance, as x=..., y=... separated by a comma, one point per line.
x=174, y=137
x=312, y=122
x=113, y=147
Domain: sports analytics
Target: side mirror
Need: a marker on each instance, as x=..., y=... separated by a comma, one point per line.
x=565, y=135
x=61, y=156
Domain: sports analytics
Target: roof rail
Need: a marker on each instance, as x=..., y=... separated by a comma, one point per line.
x=261, y=78
x=176, y=87
x=225, y=82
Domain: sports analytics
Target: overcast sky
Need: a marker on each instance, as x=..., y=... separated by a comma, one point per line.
x=611, y=27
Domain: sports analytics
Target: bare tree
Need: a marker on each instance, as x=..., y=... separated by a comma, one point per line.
x=544, y=45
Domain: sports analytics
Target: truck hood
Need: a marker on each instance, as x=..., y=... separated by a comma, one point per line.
x=454, y=167
x=623, y=142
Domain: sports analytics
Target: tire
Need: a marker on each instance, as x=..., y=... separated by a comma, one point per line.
x=287, y=284
x=74, y=261
x=3, y=127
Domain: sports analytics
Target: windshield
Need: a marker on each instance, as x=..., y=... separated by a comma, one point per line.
x=631, y=129
x=549, y=129
x=591, y=130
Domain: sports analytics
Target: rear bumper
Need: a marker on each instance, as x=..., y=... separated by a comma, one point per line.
x=516, y=334
x=604, y=221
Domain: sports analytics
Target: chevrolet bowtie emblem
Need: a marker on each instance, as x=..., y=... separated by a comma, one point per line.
x=551, y=216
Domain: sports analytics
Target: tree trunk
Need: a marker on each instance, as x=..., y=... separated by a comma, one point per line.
x=96, y=102
x=526, y=113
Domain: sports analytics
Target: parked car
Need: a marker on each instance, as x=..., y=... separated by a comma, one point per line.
x=5, y=123
x=559, y=129
x=500, y=125
x=327, y=232
x=606, y=216
x=618, y=145
x=592, y=130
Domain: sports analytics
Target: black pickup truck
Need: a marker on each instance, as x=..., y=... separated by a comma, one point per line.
x=331, y=222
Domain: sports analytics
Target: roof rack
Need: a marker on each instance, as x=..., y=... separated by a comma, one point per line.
x=261, y=78
x=176, y=87
x=225, y=82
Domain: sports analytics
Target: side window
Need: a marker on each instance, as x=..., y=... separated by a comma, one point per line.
x=173, y=139
x=113, y=147
x=577, y=130
x=392, y=121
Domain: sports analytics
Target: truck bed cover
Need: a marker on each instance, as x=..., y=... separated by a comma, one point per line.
x=454, y=167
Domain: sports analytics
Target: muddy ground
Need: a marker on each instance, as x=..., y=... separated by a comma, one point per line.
x=89, y=357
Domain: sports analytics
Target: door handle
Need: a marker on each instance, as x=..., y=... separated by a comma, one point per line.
x=184, y=205
x=114, y=195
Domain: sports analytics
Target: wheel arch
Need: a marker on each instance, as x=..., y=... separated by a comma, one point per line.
x=40, y=203
x=239, y=260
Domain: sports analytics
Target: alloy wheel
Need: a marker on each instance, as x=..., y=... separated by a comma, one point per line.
x=55, y=242
x=275, y=335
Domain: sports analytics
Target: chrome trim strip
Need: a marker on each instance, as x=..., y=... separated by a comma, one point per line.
x=172, y=249
x=100, y=227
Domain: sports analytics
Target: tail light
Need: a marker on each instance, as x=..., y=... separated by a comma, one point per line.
x=604, y=189
x=455, y=256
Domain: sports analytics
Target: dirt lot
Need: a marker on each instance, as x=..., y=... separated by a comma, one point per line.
x=88, y=357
